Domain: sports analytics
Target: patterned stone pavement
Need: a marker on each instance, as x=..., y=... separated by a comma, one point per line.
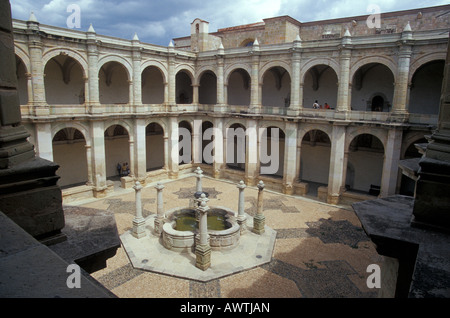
x=320, y=251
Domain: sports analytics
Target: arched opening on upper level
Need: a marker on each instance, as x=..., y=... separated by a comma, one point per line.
x=321, y=84
x=114, y=87
x=207, y=91
x=152, y=83
x=184, y=89
x=63, y=81
x=238, y=88
x=372, y=88
x=276, y=88
x=425, y=89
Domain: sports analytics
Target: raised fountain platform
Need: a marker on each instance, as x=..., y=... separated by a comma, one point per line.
x=149, y=254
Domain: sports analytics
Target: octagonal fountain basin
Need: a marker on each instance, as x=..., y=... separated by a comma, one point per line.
x=180, y=232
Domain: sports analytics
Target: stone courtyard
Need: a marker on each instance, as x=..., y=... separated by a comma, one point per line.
x=320, y=250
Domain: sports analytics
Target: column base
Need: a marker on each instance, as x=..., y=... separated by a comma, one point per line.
x=259, y=222
x=333, y=199
x=203, y=257
x=293, y=112
x=288, y=189
x=138, y=230
x=399, y=116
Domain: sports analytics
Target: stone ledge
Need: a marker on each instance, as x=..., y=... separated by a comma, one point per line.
x=29, y=269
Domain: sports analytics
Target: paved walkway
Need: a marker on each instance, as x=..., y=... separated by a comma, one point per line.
x=320, y=250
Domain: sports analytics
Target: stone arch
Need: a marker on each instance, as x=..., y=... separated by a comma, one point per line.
x=276, y=85
x=159, y=122
x=24, y=57
x=76, y=125
x=319, y=61
x=64, y=79
x=315, y=156
x=370, y=77
x=410, y=139
x=119, y=59
x=201, y=71
x=233, y=67
x=207, y=89
x=247, y=42
x=366, y=159
x=124, y=123
x=389, y=63
x=268, y=145
x=23, y=76
x=155, y=145
x=277, y=63
x=353, y=132
x=153, y=92
x=184, y=80
x=71, y=155
x=304, y=129
x=320, y=82
x=422, y=60
x=238, y=86
x=236, y=145
x=157, y=64
x=48, y=55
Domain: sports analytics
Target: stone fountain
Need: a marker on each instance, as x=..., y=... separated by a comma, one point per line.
x=198, y=241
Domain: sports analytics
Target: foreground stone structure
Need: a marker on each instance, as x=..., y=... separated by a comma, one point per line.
x=108, y=101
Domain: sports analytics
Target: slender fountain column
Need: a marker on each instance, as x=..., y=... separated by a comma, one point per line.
x=259, y=220
x=199, y=177
x=159, y=220
x=241, y=219
x=203, y=249
x=138, y=230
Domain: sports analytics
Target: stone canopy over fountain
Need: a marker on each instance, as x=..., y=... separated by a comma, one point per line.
x=199, y=241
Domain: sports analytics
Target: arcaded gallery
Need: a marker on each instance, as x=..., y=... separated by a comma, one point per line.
x=341, y=109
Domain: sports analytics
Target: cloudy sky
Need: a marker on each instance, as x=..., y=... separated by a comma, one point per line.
x=158, y=22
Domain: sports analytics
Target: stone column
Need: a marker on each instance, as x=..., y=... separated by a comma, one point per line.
x=241, y=218
x=259, y=220
x=199, y=176
x=290, y=156
x=255, y=104
x=391, y=159
x=195, y=88
x=401, y=83
x=171, y=74
x=295, y=106
x=131, y=164
x=137, y=85
x=98, y=158
x=159, y=220
x=202, y=248
x=30, y=88
x=44, y=142
x=138, y=230
x=344, y=94
x=251, y=153
x=174, y=154
x=218, y=147
x=336, y=164
x=220, y=79
x=89, y=164
x=140, y=152
x=92, y=55
x=40, y=106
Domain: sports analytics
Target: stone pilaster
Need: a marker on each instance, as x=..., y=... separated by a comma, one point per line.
x=98, y=158
x=344, y=94
x=251, y=153
x=173, y=148
x=137, y=85
x=92, y=54
x=296, y=101
x=140, y=152
x=255, y=98
x=391, y=160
